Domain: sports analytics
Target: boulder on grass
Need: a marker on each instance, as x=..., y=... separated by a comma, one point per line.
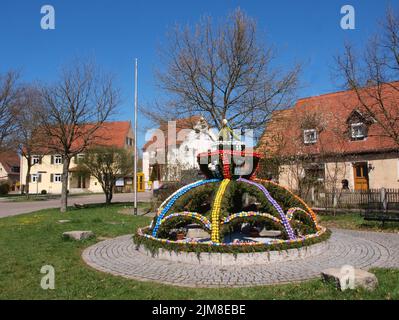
x=348, y=277
x=64, y=221
x=78, y=235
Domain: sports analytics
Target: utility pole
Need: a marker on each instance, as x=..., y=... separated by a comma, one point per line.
x=135, y=140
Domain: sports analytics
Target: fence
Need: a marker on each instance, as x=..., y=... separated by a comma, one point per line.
x=354, y=199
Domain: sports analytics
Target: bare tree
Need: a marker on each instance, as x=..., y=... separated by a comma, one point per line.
x=107, y=165
x=306, y=166
x=332, y=150
x=223, y=72
x=8, y=97
x=27, y=117
x=284, y=150
x=76, y=106
x=370, y=75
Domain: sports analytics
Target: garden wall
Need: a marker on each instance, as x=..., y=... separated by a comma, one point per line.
x=240, y=259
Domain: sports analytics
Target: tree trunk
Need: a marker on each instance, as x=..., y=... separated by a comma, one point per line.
x=64, y=190
x=27, y=177
x=108, y=196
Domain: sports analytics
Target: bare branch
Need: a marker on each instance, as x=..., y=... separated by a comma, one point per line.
x=75, y=107
x=9, y=91
x=373, y=75
x=223, y=72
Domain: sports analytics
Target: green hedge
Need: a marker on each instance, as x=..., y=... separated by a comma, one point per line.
x=154, y=245
x=201, y=199
x=198, y=200
x=4, y=187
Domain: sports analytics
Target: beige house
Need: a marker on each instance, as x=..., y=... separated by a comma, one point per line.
x=331, y=142
x=9, y=169
x=46, y=171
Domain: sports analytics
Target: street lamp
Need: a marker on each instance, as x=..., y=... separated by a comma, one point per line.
x=135, y=139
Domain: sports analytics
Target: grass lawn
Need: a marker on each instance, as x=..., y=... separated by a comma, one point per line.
x=27, y=242
x=356, y=222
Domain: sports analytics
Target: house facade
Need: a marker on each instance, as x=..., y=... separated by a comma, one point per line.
x=46, y=170
x=330, y=141
x=10, y=169
x=174, y=147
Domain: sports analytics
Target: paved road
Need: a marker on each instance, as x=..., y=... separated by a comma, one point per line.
x=360, y=249
x=14, y=208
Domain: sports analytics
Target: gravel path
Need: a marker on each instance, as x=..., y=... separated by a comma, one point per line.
x=8, y=208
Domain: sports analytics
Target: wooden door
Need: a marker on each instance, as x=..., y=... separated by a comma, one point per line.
x=361, y=177
x=82, y=181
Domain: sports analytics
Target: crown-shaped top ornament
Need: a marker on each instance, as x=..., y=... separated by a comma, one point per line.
x=230, y=159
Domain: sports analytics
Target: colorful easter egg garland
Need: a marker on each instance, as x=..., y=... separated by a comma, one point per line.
x=223, y=171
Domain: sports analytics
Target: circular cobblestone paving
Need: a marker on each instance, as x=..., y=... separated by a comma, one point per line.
x=360, y=249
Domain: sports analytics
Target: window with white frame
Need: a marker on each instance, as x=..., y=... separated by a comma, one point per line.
x=57, y=177
x=358, y=130
x=58, y=159
x=129, y=141
x=309, y=136
x=79, y=157
x=35, y=177
x=314, y=172
x=15, y=169
x=35, y=159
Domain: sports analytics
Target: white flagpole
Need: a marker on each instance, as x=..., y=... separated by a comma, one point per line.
x=135, y=139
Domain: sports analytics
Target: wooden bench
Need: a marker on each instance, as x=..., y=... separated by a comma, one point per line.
x=375, y=211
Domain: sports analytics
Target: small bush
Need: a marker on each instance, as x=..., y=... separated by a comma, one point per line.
x=4, y=187
x=166, y=190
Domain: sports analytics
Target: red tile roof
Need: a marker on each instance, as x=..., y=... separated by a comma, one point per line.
x=8, y=160
x=284, y=133
x=112, y=134
x=109, y=134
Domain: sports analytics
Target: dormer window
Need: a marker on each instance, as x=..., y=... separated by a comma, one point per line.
x=358, y=125
x=358, y=131
x=309, y=136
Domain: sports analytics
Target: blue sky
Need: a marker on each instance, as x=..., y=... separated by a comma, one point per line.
x=115, y=32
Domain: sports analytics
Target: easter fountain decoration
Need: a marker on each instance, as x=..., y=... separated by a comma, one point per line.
x=234, y=210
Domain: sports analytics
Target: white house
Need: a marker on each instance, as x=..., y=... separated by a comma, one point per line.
x=174, y=147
